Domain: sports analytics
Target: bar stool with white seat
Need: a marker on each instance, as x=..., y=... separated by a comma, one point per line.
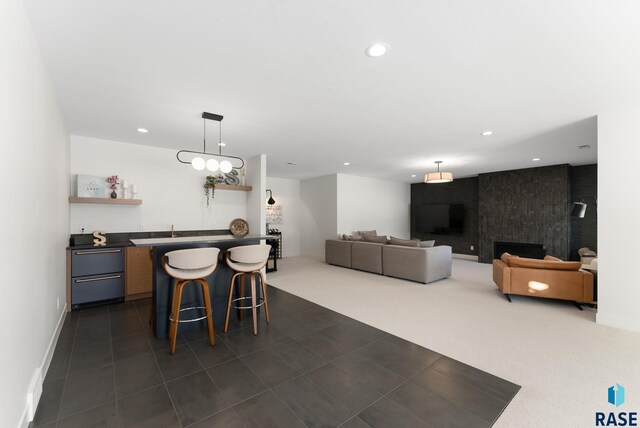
x=191, y=265
x=248, y=260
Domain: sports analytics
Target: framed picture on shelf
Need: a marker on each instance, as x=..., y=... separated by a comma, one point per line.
x=90, y=186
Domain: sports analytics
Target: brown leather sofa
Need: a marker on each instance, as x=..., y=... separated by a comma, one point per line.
x=550, y=278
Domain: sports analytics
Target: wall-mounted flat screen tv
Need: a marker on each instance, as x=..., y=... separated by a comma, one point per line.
x=438, y=218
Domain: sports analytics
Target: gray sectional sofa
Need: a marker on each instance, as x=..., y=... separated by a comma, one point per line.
x=413, y=263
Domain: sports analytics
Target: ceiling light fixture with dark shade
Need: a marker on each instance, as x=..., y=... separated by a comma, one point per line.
x=271, y=201
x=438, y=177
x=214, y=162
x=579, y=209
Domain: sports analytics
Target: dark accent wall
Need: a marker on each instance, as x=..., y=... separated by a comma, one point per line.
x=460, y=191
x=584, y=231
x=525, y=205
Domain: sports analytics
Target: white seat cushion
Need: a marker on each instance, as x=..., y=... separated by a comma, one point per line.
x=192, y=263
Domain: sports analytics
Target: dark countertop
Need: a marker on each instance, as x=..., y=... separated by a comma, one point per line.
x=123, y=239
x=185, y=240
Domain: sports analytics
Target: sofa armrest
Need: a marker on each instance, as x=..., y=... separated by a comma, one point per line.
x=502, y=276
x=588, y=286
x=417, y=264
x=337, y=252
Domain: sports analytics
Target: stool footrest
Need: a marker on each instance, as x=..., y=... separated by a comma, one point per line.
x=260, y=299
x=192, y=319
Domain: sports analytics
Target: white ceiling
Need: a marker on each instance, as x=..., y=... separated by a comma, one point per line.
x=292, y=79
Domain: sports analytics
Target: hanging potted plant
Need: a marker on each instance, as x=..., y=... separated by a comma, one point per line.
x=210, y=187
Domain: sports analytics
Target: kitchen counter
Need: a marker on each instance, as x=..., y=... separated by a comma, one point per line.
x=123, y=239
x=211, y=239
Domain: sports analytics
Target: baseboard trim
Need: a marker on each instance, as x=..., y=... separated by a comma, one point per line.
x=464, y=257
x=618, y=322
x=34, y=391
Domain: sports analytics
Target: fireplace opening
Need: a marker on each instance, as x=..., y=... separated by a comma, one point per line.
x=532, y=251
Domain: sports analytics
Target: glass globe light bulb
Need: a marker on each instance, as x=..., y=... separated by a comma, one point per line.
x=225, y=166
x=197, y=163
x=213, y=165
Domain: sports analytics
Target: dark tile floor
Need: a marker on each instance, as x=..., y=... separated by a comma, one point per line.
x=309, y=367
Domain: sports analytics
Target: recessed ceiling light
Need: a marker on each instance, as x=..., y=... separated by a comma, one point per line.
x=142, y=130
x=535, y=159
x=413, y=175
x=487, y=133
x=377, y=50
x=347, y=163
x=222, y=144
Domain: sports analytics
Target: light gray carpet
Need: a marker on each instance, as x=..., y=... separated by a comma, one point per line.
x=564, y=360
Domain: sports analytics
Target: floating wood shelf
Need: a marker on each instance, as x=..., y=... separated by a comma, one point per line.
x=114, y=201
x=232, y=187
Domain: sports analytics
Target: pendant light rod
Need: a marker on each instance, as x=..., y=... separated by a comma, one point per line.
x=218, y=118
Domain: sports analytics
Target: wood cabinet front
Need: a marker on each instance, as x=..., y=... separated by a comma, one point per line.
x=138, y=273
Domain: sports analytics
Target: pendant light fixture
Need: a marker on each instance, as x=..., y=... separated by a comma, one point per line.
x=214, y=162
x=438, y=177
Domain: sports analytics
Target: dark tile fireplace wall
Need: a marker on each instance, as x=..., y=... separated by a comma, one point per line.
x=460, y=191
x=526, y=205
x=584, y=231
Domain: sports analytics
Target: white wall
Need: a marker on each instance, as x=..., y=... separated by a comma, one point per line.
x=341, y=203
x=318, y=213
x=35, y=213
x=171, y=191
x=287, y=194
x=618, y=231
x=368, y=203
x=257, y=178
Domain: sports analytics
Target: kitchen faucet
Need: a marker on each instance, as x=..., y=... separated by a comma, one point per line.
x=173, y=235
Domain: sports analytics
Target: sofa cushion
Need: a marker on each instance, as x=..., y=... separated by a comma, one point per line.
x=405, y=242
x=367, y=256
x=523, y=262
x=367, y=232
x=374, y=238
x=427, y=244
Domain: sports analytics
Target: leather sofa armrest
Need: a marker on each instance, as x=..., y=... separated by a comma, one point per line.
x=588, y=286
x=502, y=276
